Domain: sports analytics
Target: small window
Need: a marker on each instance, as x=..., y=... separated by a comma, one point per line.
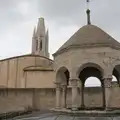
x=41, y=45
x=36, y=44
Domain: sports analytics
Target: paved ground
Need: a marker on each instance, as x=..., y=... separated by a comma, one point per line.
x=59, y=116
x=64, y=117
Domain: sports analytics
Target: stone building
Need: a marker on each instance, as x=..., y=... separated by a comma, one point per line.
x=24, y=78
x=89, y=52
x=35, y=81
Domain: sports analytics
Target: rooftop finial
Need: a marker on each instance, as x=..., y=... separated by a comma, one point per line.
x=88, y=13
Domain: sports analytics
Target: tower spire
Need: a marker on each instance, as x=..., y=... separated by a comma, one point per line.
x=40, y=39
x=88, y=13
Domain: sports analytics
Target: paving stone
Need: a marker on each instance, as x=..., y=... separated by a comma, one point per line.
x=102, y=118
x=49, y=118
x=64, y=117
x=116, y=118
x=82, y=118
x=93, y=118
x=57, y=116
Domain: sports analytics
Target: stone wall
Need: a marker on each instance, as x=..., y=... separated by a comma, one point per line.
x=21, y=99
x=115, y=97
x=74, y=58
x=39, y=79
x=27, y=71
x=93, y=97
x=44, y=98
x=15, y=99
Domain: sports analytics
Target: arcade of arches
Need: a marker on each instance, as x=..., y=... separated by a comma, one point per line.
x=90, y=53
x=73, y=93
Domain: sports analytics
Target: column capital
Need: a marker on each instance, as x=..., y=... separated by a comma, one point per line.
x=63, y=87
x=107, y=76
x=74, y=81
x=107, y=82
x=58, y=85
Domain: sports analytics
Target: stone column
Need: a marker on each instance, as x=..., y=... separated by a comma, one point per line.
x=81, y=88
x=36, y=100
x=64, y=87
x=82, y=96
x=119, y=81
x=74, y=85
x=103, y=95
x=107, y=85
x=58, y=95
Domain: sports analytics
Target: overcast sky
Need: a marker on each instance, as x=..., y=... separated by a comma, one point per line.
x=62, y=17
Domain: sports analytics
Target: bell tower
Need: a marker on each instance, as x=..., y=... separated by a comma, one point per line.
x=40, y=39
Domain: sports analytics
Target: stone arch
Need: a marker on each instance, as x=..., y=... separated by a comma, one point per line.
x=116, y=73
x=113, y=98
x=92, y=70
x=89, y=64
x=62, y=77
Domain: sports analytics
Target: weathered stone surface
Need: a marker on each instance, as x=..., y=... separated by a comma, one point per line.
x=67, y=117
x=63, y=117
x=116, y=118
x=82, y=118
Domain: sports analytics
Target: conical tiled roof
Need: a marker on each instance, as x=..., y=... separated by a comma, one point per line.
x=89, y=36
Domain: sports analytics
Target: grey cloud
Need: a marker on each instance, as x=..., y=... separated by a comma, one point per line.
x=60, y=14
x=64, y=12
x=11, y=15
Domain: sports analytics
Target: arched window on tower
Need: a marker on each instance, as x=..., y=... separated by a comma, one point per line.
x=41, y=45
x=36, y=44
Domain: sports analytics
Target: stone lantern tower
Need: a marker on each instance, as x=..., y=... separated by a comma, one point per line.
x=90, y=52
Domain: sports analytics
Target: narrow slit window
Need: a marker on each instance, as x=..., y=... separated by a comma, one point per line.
x=40, y=45
x=36, y=44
